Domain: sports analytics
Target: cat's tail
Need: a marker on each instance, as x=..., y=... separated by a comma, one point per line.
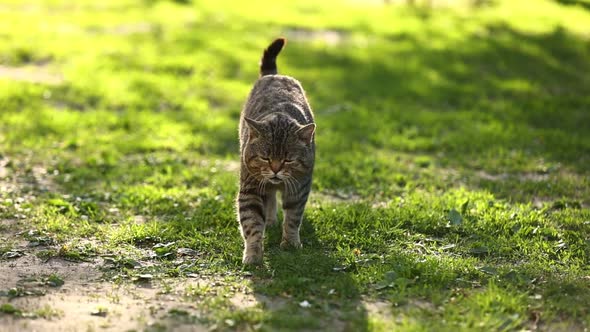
x=268, y=64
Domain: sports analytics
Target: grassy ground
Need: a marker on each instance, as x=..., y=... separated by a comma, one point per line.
x=451, y=189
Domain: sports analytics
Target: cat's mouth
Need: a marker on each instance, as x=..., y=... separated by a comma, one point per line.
x=275, y=180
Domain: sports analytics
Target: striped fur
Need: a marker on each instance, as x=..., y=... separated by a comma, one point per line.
x=277, y=151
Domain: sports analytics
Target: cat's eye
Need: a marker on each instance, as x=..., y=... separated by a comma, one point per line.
x=287, y=161
x=264, y=159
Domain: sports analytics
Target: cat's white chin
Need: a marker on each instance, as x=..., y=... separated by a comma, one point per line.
x=275, y=180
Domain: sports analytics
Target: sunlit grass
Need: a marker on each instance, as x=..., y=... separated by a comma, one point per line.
x=451, y=186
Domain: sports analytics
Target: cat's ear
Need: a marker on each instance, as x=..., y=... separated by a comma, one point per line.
x=306, y=132
x=255, y=128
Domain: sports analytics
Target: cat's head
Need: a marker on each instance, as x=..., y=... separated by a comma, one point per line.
x=278, y=148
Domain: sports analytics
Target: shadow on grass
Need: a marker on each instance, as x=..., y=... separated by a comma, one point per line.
x=481, y=98
x=492, y=100
x=479, y=102
x=307, y=289
x=500, y=101
x=582, y=3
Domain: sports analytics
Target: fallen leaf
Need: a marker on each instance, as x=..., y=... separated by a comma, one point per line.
x=100, y=312
x=479, y=250
x=304, y=304
x=383, y=284
x=14, y=253
x=163, y=245
x=488, y=270
x=448, y=246
x=464, y=206
x=186, y=252
x=455, y=217
x=390, y=276
x=55, y=281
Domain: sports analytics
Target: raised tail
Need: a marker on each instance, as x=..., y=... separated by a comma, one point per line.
x=268, y=64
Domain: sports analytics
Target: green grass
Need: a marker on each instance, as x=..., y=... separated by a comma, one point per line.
x=460, y=134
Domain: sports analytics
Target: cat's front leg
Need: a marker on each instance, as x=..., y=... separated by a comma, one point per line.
x=270, y=207
x=251, y=218
x=293, y=207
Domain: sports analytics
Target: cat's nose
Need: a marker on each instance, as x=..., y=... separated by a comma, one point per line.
x=276, y=165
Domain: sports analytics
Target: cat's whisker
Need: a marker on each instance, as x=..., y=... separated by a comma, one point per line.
x=295, y=180
x=250, y=179
x=294, y=186
x=292, y=190
x=287, y=186
x=261, y=186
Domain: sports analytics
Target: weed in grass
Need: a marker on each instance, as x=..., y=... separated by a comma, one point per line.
x=54, y=280
x=100, y=311
x=9, y=309
x=47, y=312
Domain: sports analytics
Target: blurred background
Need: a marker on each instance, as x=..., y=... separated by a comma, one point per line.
x=492, y=86
x=452, y=180
x=468, y=82
x=466, y=91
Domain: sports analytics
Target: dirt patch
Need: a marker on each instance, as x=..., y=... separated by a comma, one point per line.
x=14, y=271
x=125, y=29
x=90, y=306
x=429, y=3
x=43, y=180
x=40, y=292
x=66, y=296
x=529, y=176
x=334, y=197
x=130, y=29
x=330, y=37
x=380, y=309
x=61, y=295
x=244, y=300
x=225, y=165
x=21, y=181
x=32, y=74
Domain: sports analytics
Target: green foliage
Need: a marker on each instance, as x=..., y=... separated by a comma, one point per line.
x=452, y=178
x=8, y=308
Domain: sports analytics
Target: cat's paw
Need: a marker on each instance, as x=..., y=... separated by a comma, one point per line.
x=252, y=260
x=253, y=256
x=287, y=244
x=271, y=222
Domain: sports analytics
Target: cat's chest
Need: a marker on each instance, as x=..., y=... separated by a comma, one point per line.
x=272, y=187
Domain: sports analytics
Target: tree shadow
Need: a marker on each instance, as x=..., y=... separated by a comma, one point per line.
x=499, y=97
x=581, y=3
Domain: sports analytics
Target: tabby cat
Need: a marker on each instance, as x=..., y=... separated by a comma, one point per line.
x=277, y=154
